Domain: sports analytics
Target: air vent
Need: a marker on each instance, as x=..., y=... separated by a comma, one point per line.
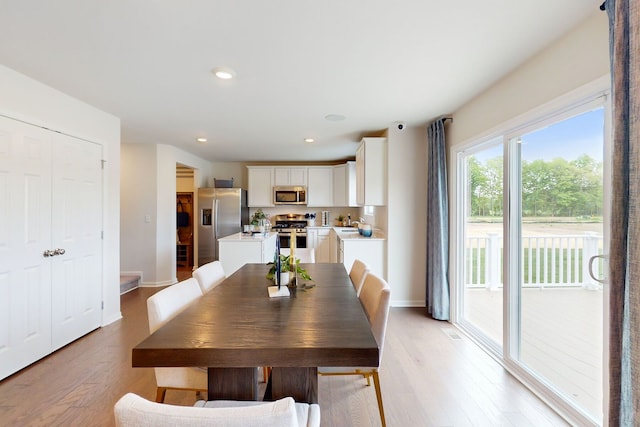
x=451, y=333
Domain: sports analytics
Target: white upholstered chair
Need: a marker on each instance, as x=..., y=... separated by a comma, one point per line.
x=209, y=275
x=134, y=411
x=375, y=296
x=305, y=255
x=359, y=270
x=162, y=307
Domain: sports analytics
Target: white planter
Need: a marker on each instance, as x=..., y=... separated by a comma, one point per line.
x=284, y=278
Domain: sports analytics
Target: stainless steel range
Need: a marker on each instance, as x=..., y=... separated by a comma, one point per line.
x=285, y=224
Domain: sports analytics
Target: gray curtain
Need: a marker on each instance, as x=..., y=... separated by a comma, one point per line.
x=437, y=300
x=624, y=257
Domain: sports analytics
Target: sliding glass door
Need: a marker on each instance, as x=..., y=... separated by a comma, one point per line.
x=531, y=239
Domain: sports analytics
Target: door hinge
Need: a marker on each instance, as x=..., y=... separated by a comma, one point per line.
x=102, y=305
x=101, y=234
x=103, y=162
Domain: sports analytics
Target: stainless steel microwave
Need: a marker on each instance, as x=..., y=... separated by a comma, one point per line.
x=290, y=195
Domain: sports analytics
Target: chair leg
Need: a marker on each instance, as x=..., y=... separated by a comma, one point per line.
x=376, y=382
x=160, y=394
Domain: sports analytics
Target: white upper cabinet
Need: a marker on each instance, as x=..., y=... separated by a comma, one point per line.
x=290, y=176
x=344, y=185
x=260, y=188
x=371, y=172
x=320, y=186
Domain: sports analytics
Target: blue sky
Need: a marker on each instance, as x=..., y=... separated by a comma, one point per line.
x=568, y=139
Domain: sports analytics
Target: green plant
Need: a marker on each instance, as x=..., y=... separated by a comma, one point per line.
x=285, y=266
x=340, y=218
x=257, y=216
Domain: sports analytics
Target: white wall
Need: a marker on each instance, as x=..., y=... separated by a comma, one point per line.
x=31, y=101
x=149, y=188
x=578, y=58
x=228, y=170
x=406, y=213
x=138, y=200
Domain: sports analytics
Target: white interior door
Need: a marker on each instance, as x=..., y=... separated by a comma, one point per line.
x=25, y=232
x=77, y=219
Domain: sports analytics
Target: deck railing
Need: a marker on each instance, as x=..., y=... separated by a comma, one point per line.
x=547, y=261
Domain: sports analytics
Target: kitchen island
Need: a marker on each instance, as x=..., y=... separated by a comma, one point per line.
x=238, y=249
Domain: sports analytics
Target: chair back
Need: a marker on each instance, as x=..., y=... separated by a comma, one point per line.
x=209, y=275
x=358, y=271
x=166, y=304
x=132, y=410
x=375, y=296
x=305, y=255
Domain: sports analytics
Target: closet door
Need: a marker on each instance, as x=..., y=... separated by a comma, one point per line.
x=77, y=219
x=25, y=233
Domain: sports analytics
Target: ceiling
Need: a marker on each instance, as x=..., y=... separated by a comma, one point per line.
x=375, y=62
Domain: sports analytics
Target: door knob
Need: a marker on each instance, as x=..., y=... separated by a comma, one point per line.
x=59, y=251
x=48, y=253
x=591, y=260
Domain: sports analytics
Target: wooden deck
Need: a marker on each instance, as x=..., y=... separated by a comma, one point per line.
x=561, y=339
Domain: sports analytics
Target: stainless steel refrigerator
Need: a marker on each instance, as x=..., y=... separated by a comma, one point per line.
x=222, y=212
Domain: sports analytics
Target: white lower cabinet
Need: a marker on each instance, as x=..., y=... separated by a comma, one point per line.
x=371, y=251
x=319, y=239
x=239, y=249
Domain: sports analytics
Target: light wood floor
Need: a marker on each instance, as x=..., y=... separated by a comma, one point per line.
x=428, y=379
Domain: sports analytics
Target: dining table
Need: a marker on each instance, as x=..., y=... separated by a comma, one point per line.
x=236, y=328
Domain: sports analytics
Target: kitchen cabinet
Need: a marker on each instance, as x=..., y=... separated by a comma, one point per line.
x=50, y=242
x=318, y=238
x=320, y=186
x=371, y=172
x=344, y=184
x=239, y=249
x=260, y=188
x=352, y=246
x=290, y=176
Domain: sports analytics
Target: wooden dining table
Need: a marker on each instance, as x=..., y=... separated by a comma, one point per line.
x=237, y=327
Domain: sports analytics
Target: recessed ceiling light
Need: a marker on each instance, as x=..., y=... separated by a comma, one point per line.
x=224, y=73
x=201, y=140
x=309, y=140
x=335, y=117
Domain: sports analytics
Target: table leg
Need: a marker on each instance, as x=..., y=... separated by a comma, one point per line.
x=299, y=383
x=233, y=384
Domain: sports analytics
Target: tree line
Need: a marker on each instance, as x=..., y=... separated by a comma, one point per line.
x=557, y=187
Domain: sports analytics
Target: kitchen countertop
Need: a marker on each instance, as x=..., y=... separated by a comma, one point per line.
x=351, y=233
x=242, y=237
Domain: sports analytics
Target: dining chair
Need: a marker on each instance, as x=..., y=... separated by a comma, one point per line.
x=132, y=410
x=375, y=296
x=162, y=307
x=209, y=275
x=305, y=255
x=359, y=270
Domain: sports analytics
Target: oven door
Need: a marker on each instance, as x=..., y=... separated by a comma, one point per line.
x=285, y=240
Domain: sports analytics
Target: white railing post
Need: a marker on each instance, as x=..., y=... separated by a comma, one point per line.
x=492, y=261
x=589, y=249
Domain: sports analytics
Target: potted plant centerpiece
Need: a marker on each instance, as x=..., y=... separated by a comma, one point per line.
x=258, y=220
x=287, y=267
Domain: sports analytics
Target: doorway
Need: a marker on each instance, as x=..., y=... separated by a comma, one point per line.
x=185, y=209
x=532, y=223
